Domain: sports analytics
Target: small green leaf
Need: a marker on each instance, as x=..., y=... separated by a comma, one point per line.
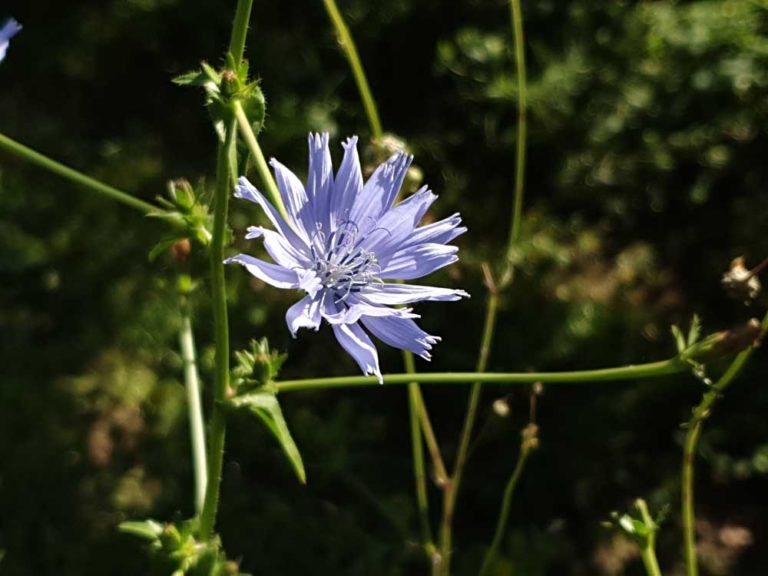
x=679, y=339
x=695, y=331
x=265, y=405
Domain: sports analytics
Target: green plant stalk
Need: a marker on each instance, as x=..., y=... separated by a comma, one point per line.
x=522, y=106
x=240, y=29
x=452, y=487
x=194, y=407
x=221, y=334
x=451, y=492
x=630, y=372
x=419, y=470
x=648, y=551
x=27, y=154
x=509, y=491
x=693, y=434
x=350, y=50
x=244, y=126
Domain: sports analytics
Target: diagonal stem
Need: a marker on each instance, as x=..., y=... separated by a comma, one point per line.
x=526, y=445
x=246, y=131
x=350, y=50
x=27, y=154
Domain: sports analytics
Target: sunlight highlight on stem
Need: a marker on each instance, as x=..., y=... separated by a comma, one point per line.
x=246, y=131
x=194, y=407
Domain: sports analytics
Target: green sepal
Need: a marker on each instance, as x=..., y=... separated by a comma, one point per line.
x=263, y=403
x=174, y=549
x=146, y=529
x=256, y=367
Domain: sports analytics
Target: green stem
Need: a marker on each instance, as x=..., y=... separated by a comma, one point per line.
x=648, y=551
x=244, y=126
x=194, y=407
x=240, y=29
x=23, y=152
x=221, y=333
x=452, y=488
x=522, y=96
x=694, y=429
x=348, y=45
x=631, y=372
x=501, y=526
x=419, y=471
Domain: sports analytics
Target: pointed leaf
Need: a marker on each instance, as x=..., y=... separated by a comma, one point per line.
x=265, y=405
x=148, y=529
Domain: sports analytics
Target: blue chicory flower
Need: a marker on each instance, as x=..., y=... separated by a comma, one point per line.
x=343, y=240
x=9, y=29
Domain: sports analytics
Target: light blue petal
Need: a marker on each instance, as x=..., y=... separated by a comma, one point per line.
x=397, y=294
x=320, y=178
x=440, y=232
x=304, y=314
x=348, y=184
x=394, y=228
x=9, y=29
x=401, y=333
x=417, y=261
x=247, y=191
x=353, y=308
x=295, y=199
x=358, y=345
x=380, y=191
x=280, y=250
x=273, y=274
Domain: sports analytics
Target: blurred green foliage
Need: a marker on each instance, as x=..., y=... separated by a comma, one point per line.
x=647, y=175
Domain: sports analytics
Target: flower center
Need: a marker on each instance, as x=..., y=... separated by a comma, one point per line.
x=341, y=265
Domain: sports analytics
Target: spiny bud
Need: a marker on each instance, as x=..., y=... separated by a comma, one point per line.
x=229, y=83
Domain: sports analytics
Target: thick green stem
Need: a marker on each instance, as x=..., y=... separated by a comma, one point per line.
x=29, y=155
x=631, y=372
x=194, y=407
x=244, y=126
x=526, y=445
x=348, y=45
x=240, y=30
x=694, y=429
x=648, y=551
x=221, y=334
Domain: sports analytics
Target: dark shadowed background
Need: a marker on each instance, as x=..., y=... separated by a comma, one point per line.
x=647, y=174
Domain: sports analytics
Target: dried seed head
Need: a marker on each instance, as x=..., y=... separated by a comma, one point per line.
x=741, y=283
